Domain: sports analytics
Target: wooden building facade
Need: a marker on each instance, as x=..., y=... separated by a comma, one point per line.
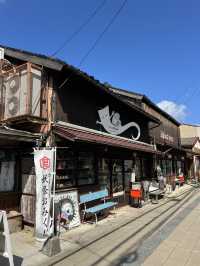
x=102, y=140
x=25, y=114
x=85, y=112
x=165, y=136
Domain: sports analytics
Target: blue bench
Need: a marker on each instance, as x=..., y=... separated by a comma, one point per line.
x=92, y=196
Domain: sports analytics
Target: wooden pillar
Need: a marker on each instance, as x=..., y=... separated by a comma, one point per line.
x=47, y=129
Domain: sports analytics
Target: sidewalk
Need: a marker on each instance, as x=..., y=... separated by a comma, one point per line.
x=182, y=246
x=26, y=249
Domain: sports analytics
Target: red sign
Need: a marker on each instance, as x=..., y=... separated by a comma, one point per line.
x=45, y=163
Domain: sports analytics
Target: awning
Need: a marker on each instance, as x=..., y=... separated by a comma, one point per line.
x=78, y=134
x=8, y=133
x=191, y=152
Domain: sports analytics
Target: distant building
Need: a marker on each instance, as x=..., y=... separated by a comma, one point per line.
x=190, y=141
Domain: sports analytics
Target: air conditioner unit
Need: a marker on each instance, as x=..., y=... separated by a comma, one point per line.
x=23, y=92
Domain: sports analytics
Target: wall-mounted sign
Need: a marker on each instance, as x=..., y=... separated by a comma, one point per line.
x=67, y=209
x=112, y=123
x=166, y=137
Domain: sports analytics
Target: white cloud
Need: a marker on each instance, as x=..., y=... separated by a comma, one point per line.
x=178, y=111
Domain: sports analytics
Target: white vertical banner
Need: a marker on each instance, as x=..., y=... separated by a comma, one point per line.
x=45, y=164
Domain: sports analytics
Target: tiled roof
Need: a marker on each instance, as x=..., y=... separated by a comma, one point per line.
x=188, y=142
x=76, y=133
x=143, y=98
x=58, y=65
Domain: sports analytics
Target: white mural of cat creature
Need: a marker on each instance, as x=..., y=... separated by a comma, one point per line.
x=112, y=123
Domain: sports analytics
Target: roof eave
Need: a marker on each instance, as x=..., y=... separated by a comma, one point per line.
x=34, y=58
x=145, y=98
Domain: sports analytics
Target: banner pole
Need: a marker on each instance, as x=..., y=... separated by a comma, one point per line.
x=54, y=187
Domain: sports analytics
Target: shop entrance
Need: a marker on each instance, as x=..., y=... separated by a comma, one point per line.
x=115, y=174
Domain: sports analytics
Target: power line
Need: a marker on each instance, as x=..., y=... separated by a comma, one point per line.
x=99, y=38
x=80, y=28
x=103, y=32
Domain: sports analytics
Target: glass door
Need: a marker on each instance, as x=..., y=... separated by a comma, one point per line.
x=117, y=176
x=129, y=173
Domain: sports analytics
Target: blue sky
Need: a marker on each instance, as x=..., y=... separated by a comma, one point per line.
x=152, y=48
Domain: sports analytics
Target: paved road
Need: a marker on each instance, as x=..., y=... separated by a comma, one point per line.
x=167, y=235
x=179, y=240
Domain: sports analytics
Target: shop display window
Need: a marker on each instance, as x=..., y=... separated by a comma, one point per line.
x=65, y=170
x=104, y=173
x=85, y=168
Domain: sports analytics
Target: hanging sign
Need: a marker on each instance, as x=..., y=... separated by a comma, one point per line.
x=67, y=209
x=112, y=123
x=45, y=170
x=5, y=245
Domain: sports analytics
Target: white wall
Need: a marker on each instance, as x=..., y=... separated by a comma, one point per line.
x=189, y=131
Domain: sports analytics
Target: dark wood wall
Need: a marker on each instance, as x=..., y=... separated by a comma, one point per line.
x=167, y=132
x=79, y=100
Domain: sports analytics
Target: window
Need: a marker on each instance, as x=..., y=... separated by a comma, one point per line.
x=169, y=169
x=104, y=173
x=143, y=170
x=7, y=175
x=138, y=169
x=163, y=167
x=128, y=170
x=146, y=164
x=179, y=168
x=85, y=171
x=117, y=175
x=65, y=170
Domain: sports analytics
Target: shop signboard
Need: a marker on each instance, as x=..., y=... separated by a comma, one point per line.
x=45, y=172
x=166, y=137
x=67, y=209
x=113, y=125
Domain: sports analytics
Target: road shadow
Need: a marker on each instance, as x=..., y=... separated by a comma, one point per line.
x=5, y=262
